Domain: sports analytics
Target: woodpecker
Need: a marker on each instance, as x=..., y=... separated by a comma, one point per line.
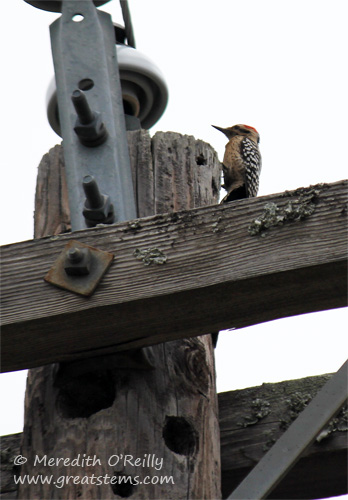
x=241, y=167
x=242, y=162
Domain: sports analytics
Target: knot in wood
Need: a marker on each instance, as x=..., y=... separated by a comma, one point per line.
x=191, y=366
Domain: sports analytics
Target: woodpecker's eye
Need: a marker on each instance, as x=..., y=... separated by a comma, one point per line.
x=239, y=129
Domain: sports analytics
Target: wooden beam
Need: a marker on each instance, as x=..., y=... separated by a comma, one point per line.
x=217, y=275
x=251, y=420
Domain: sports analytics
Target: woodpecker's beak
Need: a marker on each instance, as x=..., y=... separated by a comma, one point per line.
x=228, y=133
x=219, y=128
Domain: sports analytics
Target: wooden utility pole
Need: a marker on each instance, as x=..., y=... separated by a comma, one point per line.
x=147, y=423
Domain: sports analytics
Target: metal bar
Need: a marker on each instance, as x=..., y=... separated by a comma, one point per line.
x=127, y=23
x=84, y=55
x=287, y=450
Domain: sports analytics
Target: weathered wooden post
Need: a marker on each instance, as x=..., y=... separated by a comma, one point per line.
x=142, y=424
x=139, y=426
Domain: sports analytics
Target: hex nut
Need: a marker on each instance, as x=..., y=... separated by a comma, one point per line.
x=78, y=266
x=91, y=134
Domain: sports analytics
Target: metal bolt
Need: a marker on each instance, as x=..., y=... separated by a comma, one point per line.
x=82, y=108
x=94, y=197
x=75, y=255
x=89, y=126
x=77, y=261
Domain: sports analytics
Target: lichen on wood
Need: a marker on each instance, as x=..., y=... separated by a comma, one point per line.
x=259, y=408
x=150, y=256
x=302, y=204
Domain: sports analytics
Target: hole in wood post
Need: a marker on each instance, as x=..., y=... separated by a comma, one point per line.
x=83, y=396
x=123, y=486
x=180, y=436
x=201, y=160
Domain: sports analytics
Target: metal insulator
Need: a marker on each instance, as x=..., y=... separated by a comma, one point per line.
x=144, y=90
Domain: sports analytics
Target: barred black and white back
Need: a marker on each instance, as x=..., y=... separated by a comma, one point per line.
x=253, y=163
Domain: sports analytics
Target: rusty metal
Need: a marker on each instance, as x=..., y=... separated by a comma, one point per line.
x=97, y=263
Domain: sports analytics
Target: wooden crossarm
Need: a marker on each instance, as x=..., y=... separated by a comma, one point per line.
x=220, y=273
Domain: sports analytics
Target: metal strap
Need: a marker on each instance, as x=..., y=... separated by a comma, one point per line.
x=85, y=59
x=287, y=450
x=127, y=23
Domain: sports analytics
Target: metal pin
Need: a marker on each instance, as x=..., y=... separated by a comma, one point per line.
x=82, y=108
x=91, y=189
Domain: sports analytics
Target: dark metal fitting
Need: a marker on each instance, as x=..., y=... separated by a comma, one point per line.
x=77, y=261
x=56, y=5
x=89, y=127
x=73, y=275
x=98, y=208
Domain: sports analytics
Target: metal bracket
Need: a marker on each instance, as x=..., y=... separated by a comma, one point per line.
x=86, y=69
x=79, y=268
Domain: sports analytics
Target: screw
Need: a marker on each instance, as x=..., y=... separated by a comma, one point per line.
x=91, y=189
x=82, y=108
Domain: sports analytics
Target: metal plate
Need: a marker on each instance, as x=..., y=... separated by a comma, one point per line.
x=82, y=285
x=56, y=5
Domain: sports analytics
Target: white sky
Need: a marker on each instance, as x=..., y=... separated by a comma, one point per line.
x=278, y=66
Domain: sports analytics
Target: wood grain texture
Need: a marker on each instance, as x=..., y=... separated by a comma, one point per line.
x=217, y=276
x=9, y=449
x=51, y=199
x=250, y=422
x=108, y=407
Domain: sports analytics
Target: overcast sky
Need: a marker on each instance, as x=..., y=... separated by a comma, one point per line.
x=280, y=66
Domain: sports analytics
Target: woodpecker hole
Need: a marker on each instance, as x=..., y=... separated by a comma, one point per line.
x=180, y=436
x=123, y=485
x=201, y=160
x=85, y=395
